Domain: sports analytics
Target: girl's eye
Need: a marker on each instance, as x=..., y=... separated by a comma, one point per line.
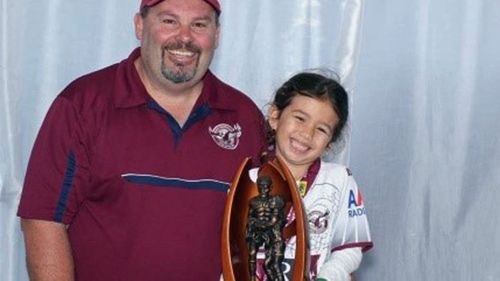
x=324, y=130
x=299, y=118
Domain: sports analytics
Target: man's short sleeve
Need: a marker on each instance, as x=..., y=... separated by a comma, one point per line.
x=58, y=166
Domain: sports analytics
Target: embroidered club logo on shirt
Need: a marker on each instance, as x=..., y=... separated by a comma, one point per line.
x=226, y=136
x=318, y=221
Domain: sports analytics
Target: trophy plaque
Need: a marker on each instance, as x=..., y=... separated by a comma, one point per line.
x=238, y=261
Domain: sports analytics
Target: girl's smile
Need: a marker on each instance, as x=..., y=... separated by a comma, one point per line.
x=303, y=131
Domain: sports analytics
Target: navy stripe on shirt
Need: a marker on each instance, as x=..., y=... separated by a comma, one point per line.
x=176, y=182
x=197, y=114
x=69, y=175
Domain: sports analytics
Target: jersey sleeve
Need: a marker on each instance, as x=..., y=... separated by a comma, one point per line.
x=351, y=227
x=58, y=166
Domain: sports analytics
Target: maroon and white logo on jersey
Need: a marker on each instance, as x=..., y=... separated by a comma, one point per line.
x=318, y=221
x=226, y=136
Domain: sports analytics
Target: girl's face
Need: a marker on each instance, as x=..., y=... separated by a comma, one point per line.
x=303, y=131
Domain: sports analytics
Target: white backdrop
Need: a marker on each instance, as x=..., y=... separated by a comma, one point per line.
x=423, y=77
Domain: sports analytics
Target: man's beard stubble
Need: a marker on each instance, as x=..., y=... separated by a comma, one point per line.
x=178, y=74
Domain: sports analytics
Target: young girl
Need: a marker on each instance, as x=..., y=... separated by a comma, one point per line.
x=307, y=117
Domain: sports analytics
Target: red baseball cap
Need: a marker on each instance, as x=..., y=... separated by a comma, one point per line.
x=214, y=3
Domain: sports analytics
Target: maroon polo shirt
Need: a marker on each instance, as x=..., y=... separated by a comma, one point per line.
x=142, y=196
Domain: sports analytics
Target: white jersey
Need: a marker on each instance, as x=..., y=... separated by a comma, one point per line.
x=336, y=218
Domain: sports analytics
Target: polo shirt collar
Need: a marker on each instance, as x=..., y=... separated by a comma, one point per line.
x=214, y=93
x=131, y=91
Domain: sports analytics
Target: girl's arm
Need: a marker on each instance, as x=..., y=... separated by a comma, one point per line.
x=340, y=265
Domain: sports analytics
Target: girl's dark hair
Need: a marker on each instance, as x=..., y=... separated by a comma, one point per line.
x=316, y=86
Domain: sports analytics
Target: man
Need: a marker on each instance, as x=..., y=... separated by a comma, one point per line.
x=129, y=173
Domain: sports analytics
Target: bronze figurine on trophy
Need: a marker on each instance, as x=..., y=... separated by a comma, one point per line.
x=255, y=221
x=266, y=219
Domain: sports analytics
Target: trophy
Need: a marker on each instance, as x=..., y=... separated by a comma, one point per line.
x=255, y=217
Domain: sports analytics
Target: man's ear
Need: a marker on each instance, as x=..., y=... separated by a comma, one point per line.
x=138, y=22
x=273, y=115
x=217, y=37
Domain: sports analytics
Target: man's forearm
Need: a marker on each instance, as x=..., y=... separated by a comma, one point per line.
x=48, y=252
